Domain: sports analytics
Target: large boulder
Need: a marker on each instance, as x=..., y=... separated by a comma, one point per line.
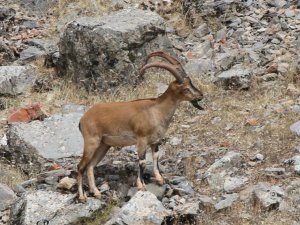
x=57, y=138
x=14, y=80
x=7, y=197
x=38, y=207
x=143, y=208
x=103, y=52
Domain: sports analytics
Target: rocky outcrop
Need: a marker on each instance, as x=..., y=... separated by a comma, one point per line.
x=38, y=207
x=104, y=52
x=33, y=144
x=14, y=80
x=143, y=208
x=7, y=197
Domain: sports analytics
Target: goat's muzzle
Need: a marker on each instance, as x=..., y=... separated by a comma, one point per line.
x=195, y=103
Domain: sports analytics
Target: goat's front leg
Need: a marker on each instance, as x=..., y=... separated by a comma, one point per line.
x=141, y=147
x=155, y=155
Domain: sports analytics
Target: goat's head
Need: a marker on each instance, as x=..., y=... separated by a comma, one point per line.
x=183, y=84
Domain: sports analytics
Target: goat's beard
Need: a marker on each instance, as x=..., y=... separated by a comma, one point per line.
x=196, y=104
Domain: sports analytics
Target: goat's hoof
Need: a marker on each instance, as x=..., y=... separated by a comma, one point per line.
x=82, y=199
x=97, y=196
x=160, y=181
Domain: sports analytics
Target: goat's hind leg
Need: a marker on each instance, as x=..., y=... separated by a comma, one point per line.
x=155, y=155
x=90, y=146
x=98, y=156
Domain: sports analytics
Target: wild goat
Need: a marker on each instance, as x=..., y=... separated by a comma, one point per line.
x=141, y=122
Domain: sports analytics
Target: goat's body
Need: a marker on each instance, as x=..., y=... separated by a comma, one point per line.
x=122, y=123
x=141, y=122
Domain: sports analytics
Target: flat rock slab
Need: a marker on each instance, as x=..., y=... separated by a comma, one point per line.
x=14, y=80
x=104, y=52
x=54, y=139
x=7, y=197
x=235, y=78
x=143, y=208
x=295, y=128
x=38, y=206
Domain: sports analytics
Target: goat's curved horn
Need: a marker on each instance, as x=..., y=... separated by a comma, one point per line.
x=174, y=69
x=169, y=58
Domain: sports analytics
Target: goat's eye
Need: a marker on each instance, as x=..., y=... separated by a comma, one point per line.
x=186, y=90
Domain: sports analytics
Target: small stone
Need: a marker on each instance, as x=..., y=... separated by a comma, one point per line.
x=258, y=157
x=175, y=141
x=289, y=13
x=275, y=171
x=67, y=183
x=201, y=31
x=228, y=200
x=295, y=128
x=7, y=197
x=232, y=184
x=104, y=187
x=297, y=169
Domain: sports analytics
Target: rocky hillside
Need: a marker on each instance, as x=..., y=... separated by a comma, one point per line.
x=236, y=162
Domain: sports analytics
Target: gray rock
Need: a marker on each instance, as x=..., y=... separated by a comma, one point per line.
x=37, y=6
x=29, y=54
x=189, y=208
x=33, y=144
x=51, y=206
x=295, y=128
x=258, y=157
x=276, y=171
x=268, y=196
x=94, y=49
x=218, y=171
x=175, y=141
x=7, y=197
x=226, y=60
x=280, y=3
x=235, y=78
x=157, y=190
x=229, y=160
x=228, y=200
x=201, y=31
x=232, y=184
x=181, y=185
x=143, y=208
x=14, y=80
x=198, y=66
x=161, y=88
x=297, y=169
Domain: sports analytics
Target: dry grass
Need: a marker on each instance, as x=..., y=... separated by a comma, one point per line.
x=11, y=175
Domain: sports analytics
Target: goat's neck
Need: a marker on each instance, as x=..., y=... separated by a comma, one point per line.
x=167, y=104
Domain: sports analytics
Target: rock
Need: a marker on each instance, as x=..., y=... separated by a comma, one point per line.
x=258, y=157
x=39, y=7
x=157, y=190
x=232, y=184
x=297, y=169
x=295, y=128
x=31, y=150
x=26, y=114
x=269, y=197
x=143, y=208
x=228, y=200
x=14, y=80
x=181, y=185
x=275, y=170
x=198, y=66
x=94, y=49
x=67, y=183
x=201, y=31
x=234, y=78
x=7, y=197
x=161, y=88
x=29, y=54
x=218, y=171
x=229, y=160
x=104, y=187
x=205, y=201
x=189, y=208
x=175, y=141
x=36, y=206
